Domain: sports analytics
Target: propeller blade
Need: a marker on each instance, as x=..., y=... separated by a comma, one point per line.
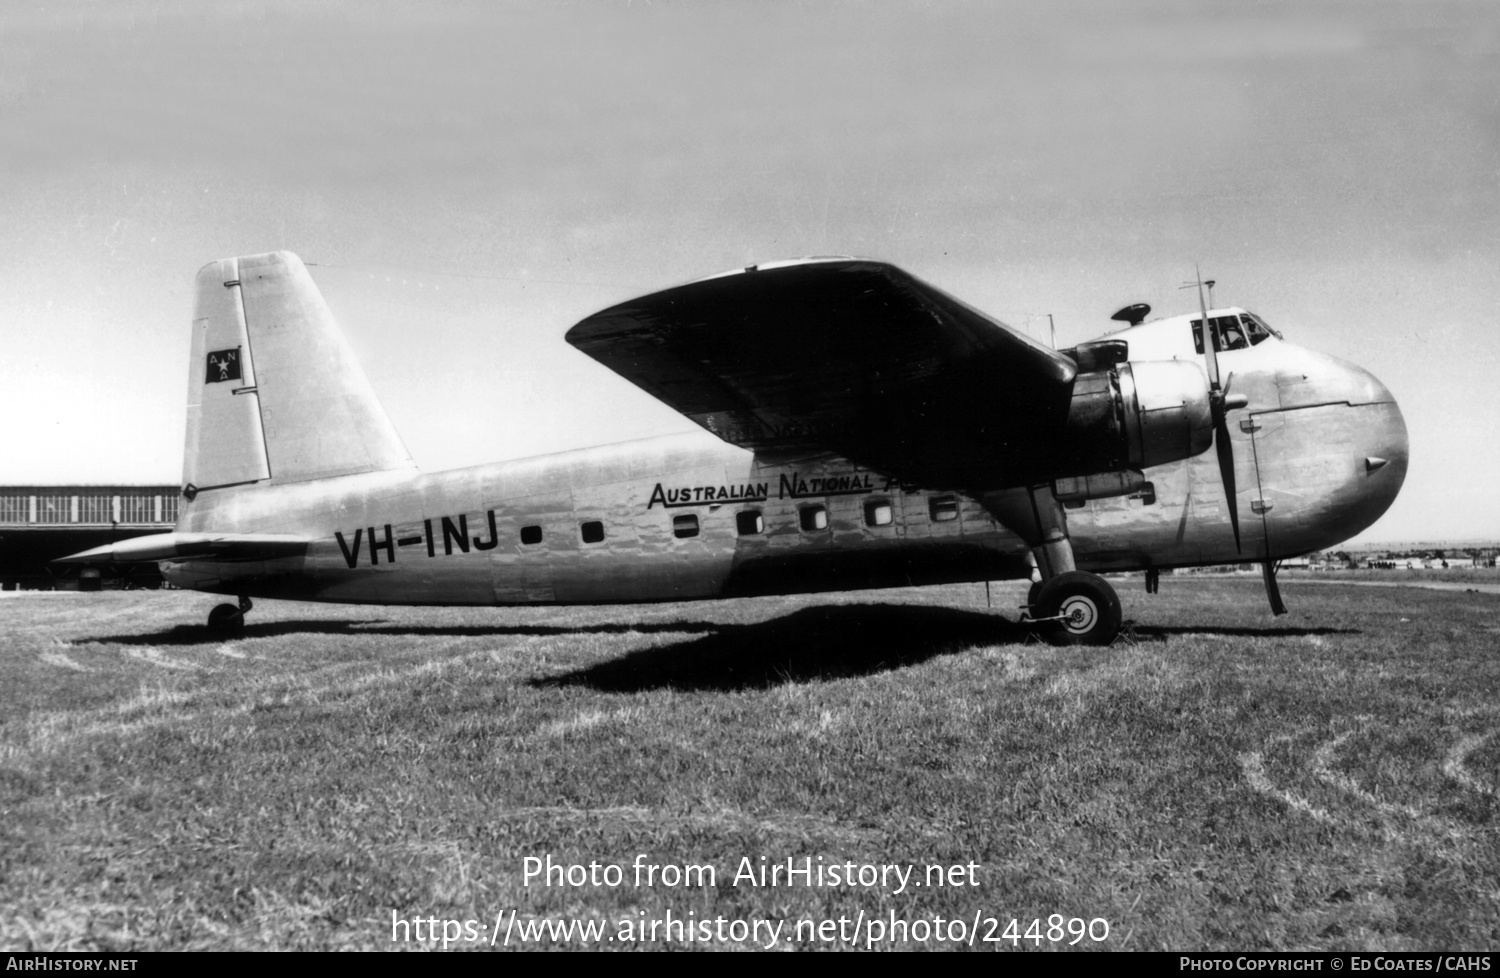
x=1226, y=471
x=1273, y=591
x=1210, y=355
x=1217, y=396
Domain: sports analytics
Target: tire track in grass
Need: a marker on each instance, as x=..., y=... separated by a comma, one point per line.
x=1436, y=829
x=153, y=656
x=1398, y=823
x=43, y=732
x=63, y=662
x=1253, y=766
x=153, y=707
x=1454, y=764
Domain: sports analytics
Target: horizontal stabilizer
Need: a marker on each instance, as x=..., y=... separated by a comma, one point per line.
x=193, y=546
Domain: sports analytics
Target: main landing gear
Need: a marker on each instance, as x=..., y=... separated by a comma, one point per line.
x=1068, y=606
x=1075, y=608
x=228, y=620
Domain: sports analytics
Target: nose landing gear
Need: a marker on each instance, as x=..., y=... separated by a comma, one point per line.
x=229, y=620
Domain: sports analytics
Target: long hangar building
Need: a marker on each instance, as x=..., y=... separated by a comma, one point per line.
x=42, y=523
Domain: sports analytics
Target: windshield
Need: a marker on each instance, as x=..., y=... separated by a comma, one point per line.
x=1227, y=332
x=1258, y=328
x=1233, y=332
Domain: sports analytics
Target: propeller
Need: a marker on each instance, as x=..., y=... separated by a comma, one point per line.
x=1220, y=402
x=1219, y=411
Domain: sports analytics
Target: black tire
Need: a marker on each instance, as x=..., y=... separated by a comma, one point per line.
x=1033, y=594
x=227, y=620
x=1090, y=607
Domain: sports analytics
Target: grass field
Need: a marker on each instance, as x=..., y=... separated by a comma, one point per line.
x=1327, y=780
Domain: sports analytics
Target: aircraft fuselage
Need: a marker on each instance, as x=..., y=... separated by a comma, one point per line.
x=690, y=516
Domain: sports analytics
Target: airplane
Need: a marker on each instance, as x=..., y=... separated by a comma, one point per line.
x=863, y=429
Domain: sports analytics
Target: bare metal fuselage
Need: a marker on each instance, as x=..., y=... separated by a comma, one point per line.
x=1320, y=453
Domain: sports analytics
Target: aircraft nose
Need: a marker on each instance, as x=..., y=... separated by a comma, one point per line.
x=1381, y=444
x=1332, y=457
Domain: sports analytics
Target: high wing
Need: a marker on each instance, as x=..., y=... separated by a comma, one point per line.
x=193, y=546
x=848, y=356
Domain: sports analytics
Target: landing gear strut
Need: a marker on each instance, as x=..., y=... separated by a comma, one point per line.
x=227, y=619
x=1069, y=606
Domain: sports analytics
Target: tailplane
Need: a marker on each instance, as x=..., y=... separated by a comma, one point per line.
x=274, y=393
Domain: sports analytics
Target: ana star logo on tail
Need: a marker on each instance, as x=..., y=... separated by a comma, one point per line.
x=223, y=365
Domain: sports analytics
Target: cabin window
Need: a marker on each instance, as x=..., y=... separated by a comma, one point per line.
x=943, y=509
x=593, y=531
x=749, y=522
x=878, y=512
x=531, y=535
x=684, y=526
x=813, y=518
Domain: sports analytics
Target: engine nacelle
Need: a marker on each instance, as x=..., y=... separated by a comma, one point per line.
x=1136, y=415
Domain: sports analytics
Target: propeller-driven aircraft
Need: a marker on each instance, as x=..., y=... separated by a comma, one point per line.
x=864, y=429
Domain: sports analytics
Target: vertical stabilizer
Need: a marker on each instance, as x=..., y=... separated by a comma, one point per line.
x=274, y=393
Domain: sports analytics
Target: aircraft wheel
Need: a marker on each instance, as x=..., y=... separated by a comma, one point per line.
x=226, y=619
x=1088, y=608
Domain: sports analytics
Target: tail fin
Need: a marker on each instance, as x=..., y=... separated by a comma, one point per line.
x=274, y=393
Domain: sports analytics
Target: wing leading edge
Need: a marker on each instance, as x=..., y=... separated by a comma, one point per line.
x=853, y=357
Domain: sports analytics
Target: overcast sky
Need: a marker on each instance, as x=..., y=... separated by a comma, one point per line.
x=469, y=180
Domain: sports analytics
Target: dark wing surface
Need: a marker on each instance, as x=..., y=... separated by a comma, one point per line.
x=851, y=357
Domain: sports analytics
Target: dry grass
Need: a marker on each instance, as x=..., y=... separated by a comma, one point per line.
x=1325, y=780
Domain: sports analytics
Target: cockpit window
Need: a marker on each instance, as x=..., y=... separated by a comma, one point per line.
x=1258, y=328
x=1227, y=332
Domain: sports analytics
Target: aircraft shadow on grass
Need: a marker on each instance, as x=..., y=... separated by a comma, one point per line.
x=816, y=643
x=203, y=635
x=1159, y=633
x=829, y=642
x=820, y=643
x=834, y=642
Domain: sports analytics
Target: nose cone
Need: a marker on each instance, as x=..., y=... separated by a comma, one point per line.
x=1382, y=445
x=1374, y=433
x=1331, y=457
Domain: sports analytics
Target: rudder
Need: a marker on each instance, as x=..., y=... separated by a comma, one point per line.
x=275, y=395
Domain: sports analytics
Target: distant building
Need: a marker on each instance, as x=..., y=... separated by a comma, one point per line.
x=41, y=523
